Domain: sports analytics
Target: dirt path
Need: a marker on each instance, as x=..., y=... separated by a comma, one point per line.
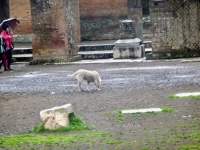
x=29, y=89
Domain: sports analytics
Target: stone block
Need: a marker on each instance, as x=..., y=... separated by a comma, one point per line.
x=128, y=43
x=127, y=52
x=128, y=48
x=56, y=117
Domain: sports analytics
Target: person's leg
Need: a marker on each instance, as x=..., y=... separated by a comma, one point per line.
x=5, y=62
x=9, y=57
x=1, y=60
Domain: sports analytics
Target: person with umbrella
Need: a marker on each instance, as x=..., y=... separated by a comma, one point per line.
x=3, y=54
x=8, y=46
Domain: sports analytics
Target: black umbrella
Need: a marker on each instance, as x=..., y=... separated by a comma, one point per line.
x=12, y=22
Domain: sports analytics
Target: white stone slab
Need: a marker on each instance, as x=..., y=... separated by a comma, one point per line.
x=141, y=110
x=128, y=42
x=128, y=20
x=188, y=94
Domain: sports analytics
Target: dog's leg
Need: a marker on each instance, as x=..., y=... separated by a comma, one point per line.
x=88, y=86
x=97, y=85
x=79, y=86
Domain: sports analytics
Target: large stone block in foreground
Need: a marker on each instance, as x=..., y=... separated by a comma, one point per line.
x=128, y=48
x=56, y=117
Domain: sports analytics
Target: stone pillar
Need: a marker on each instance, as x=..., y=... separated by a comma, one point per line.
x=56, y=30
x=135, y=13
x=127, y=28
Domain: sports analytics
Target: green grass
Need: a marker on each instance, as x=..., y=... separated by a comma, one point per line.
x=47, y=140
x=75, y=123
x=189, y=147
x=109, y=141
x=167, y=109
x=120, y=116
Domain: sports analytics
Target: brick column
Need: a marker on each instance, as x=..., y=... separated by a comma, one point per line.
x=56, y=30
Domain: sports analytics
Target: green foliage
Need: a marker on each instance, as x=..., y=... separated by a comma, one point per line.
x=120, y=116
x=47, y=140
x=39, y=128
x=167, y=109
x=172, y=96
x=190, y=147
x=109, y=141
x=75, y=123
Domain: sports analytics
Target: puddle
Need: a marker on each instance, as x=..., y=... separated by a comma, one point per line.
x=188, y=94
x=141, y=110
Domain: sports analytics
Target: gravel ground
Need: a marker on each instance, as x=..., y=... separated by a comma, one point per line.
x=27, y=90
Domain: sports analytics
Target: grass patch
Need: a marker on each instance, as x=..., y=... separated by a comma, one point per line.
x=75, y=123
x=109, y=141
x=120, y=116
x=189, y=147
x=174, y=96
x=167, y=109
x=48, y=140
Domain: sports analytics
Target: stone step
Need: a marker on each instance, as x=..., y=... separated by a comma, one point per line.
x=22, y=57
x=22, y=52
x=96, y=54
x=96, y=45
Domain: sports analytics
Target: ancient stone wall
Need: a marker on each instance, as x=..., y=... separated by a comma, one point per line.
x=21, y=10
x=56, y=29
x=100, y=20
x=175, y=26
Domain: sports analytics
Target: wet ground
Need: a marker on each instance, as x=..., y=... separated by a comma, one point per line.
x=27, y=90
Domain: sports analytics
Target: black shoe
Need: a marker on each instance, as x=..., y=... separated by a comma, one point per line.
x=1, y=64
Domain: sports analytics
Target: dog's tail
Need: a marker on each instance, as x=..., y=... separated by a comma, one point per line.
x=70, y=76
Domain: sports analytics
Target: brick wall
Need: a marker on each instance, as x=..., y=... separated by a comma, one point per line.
x=55, y=28
x=21, y=10
x=102, y=8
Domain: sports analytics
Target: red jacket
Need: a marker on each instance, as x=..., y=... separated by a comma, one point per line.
x=7, y=39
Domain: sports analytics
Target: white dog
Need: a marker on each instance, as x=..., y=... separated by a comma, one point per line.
x=89, y=76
